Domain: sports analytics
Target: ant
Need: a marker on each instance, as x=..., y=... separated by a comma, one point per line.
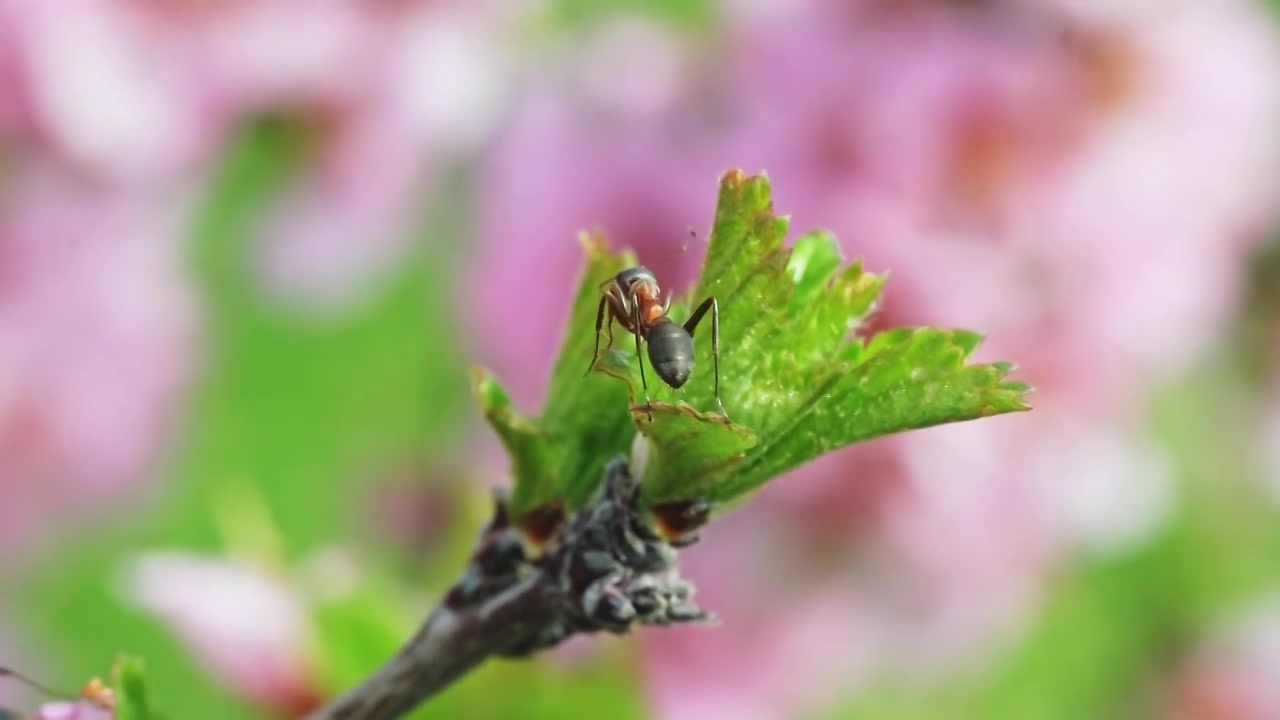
x=632, y=298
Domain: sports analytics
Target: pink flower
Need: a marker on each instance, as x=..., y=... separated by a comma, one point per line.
x=775, y=613
x=429, y=83
x=96, y=331
x=150, y=93
x=110, y=113
x=102, y=90
x=1082, y=188
x=558, y=169
x=11, y=115
x=984, y=157
x=79, y=710
x=245, y=624
x=1236, y=673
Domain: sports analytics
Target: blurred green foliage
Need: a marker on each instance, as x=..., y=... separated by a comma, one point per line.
x=302, y=410
x=567, y=13
x=128, y=681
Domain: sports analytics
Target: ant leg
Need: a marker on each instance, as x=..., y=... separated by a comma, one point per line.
x=715, y=352
x=692, y=323
x=635, y=320
x=599, y=322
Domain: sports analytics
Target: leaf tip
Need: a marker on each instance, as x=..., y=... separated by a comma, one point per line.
x=479, y=375
x=130, y=690
x=486, y=390
x=594, y=243
x=968, y=341
x=1020, y=390
x=753, y=191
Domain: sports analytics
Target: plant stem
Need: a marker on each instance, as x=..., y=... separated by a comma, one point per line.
x=447, y=646
x=606, y=570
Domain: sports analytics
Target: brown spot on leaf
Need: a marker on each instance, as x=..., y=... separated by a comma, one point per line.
x=542, y=523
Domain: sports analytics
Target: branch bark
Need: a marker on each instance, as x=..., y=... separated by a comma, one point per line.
x=607, y=570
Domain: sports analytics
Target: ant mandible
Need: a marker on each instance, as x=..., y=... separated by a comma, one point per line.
x=632, y=298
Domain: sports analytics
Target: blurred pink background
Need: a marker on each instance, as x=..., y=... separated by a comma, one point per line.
x=1093, y=186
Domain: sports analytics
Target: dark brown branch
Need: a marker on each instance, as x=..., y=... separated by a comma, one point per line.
x=607, y=571
x=447, y=646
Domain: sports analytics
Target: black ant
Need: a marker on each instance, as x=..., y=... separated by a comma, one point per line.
x=634, y=301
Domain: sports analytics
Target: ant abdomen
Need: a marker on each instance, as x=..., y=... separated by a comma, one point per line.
x=671, y=353
x=632, y=299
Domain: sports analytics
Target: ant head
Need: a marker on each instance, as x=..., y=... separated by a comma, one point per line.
x=632, y=275
x=671, y=353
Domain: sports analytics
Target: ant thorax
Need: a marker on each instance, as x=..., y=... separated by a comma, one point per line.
x=652, y=309
x=638, y=297
x=646, y=290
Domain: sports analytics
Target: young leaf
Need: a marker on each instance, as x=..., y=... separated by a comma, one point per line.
x=558, y=459
x=793, y=377
x=129, y=683
x=683, y=442
x=794, y=380
x=534, y=459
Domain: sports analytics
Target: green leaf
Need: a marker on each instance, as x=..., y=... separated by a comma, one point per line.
x=129, y=684
x=534, y=458
x=689, y=448
x=793, y=377
x=584, y=414
x=558, y=459
x=815, y=258
x=354, y=633
x=913, y=380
